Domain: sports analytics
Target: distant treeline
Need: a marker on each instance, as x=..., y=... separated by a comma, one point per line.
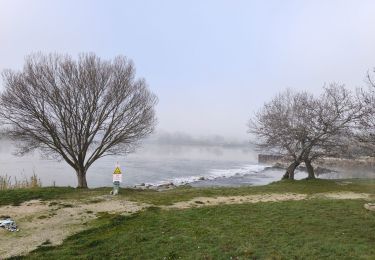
x=180, y=138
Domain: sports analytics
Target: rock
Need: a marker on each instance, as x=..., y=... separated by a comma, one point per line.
x=143, y=186
x=201, y=178
x=276, y=166
x=166, y=186
x=370, y=206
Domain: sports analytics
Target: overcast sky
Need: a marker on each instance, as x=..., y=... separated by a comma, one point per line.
x=211, y=63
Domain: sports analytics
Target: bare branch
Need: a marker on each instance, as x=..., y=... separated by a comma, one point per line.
x=303, y=127
x=80, y=110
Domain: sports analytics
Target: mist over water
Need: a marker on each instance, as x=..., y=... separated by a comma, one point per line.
x=152, y=163
x=156, y=163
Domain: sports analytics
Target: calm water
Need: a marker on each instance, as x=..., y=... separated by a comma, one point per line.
x=153, y=164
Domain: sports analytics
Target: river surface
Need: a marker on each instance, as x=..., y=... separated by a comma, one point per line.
x=153, y=164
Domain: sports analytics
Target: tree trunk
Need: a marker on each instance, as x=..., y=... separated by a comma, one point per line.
x=289, y=174
x=81, y=175
x=310, y=170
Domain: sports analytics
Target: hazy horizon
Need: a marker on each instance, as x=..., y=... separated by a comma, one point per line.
x=211, y=63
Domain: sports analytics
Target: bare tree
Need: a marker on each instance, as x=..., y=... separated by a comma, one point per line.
x=305, y=128
x=78, y=111
x=365, y=133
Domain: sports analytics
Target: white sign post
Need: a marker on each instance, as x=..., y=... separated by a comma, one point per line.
x=117, y=179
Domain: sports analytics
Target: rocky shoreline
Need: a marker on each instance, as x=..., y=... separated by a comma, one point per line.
x=160, y=187
x=277, y=166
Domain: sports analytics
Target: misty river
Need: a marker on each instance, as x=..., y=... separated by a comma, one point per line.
x=155, y=164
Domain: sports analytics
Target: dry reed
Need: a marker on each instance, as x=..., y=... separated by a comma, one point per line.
x=6, y=182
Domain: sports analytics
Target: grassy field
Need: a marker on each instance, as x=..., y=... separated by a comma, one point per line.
x=307, y=229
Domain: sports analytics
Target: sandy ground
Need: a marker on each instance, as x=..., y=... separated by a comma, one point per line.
x=53, y=221
x=370, y=206
x=344, y=195
x=272, y=197
x=210, y=201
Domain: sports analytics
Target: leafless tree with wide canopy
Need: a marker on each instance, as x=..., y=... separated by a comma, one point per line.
x=366, y=131
x=304, y=128
x=77, y=110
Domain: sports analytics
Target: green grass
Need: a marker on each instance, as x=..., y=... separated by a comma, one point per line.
x=312, y=229
x=18, y=196
x=308, y=229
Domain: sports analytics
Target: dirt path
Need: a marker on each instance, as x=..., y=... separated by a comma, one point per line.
x=53, y=221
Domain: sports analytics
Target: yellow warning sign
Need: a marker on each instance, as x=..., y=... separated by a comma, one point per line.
x=117, y=170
